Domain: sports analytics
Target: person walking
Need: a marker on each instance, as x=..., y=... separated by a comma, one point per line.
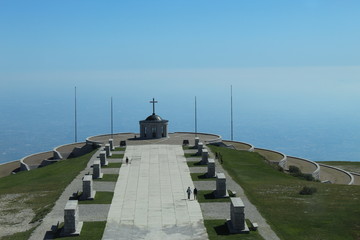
x=188, y=191
x=195, y=193
x=127, y=160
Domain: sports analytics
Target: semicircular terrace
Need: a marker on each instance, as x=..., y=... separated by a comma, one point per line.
x=305, y=166
x=335, y=175
x=133, y=139
x=240, y=145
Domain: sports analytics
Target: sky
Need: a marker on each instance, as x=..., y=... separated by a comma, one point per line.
x=293, y=63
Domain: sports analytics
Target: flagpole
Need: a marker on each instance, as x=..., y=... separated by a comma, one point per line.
x=112, y=119
x=232, y=123
x=75, y=117
x=195, y=118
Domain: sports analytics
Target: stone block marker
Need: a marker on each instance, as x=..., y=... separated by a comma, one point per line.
x=211, y=168
x=237, y=222
x=200, y=149
x=103, y=159
x=72, y=226
x=197, y=140
x=204, y=156
x=88, y=192
x=111, y=142
x=97, y=170
x=221, y=186
x=107, y=150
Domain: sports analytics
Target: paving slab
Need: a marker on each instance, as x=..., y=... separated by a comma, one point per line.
x=150, y=197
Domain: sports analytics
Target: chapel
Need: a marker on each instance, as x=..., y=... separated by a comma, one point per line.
x=153, y=126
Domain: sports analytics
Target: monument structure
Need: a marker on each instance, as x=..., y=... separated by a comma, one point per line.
x=153, y=126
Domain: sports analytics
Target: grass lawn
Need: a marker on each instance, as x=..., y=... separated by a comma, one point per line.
x=191, y=155
x=117, y=156
x=112, y=165
x=108, y=178
x=90, y=231
x=100, y=198
x=195, y=164
x=217, y=229
x=186, y=147
x=208, y=196
x=119, y=149
x=43, y=186
x=201, y=177
x=331, y=213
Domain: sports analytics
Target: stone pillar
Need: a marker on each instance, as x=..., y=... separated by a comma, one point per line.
x=221, y=185
x=200, y=149
x=237, y=222
x=111, y=142
x=211, y=168
x=72, y=226
x=204, y=156
x=88, y=192
x=103, y=159
x=107, y=150
x=197, y=140
x=97, y=170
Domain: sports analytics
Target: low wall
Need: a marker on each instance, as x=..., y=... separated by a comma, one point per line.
x=305, y=166
x=273, y=156
x=335, y=175
x=217, y=138
x=7, y=168
x=34, y=161
x=64, y=151
x=356, y=178
x=240, y=145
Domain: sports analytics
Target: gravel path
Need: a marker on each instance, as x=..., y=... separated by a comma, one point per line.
x=251, y=211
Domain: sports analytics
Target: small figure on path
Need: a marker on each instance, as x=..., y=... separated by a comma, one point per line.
x=188, y=192
x=195, y=193
x=216, y=155
x=127, y=160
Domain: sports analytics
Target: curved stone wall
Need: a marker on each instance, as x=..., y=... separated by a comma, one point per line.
x=7, y=168
x=335, y=175
x=273, y=156
x=240, y=145
x=34, y=161
x=305, y=166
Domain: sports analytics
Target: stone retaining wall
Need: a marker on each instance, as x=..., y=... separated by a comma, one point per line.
x=335, y=175
x=306, y=166
x=34, y=160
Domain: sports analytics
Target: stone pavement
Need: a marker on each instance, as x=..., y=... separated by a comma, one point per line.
x=150, y=199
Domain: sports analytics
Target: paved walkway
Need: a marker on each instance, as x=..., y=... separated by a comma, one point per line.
x=150, y=200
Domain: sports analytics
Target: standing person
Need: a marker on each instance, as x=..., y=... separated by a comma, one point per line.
x=195, y=193
x=188, y=192
x=127, y=160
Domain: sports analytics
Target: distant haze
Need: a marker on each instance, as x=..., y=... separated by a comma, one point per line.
x=294, y=68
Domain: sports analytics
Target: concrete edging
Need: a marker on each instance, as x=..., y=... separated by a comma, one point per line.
x=316, y=173
x=341, y=170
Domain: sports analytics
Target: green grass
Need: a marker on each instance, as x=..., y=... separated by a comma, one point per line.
x=217, y=229
x=113, y=165
x=43, y=186
x=291, y=215
x=208, y=196
x=108, y=178
x=100, y=198
x=191, y=155
x=195, y=164
x=90, y=231
x=187, y=147
x=117, y=156
x=119, y=149
x=201, y=177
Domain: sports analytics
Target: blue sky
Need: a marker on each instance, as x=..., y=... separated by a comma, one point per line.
x=112, y=35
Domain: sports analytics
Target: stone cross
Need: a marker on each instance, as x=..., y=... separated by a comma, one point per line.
x=153, y=102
